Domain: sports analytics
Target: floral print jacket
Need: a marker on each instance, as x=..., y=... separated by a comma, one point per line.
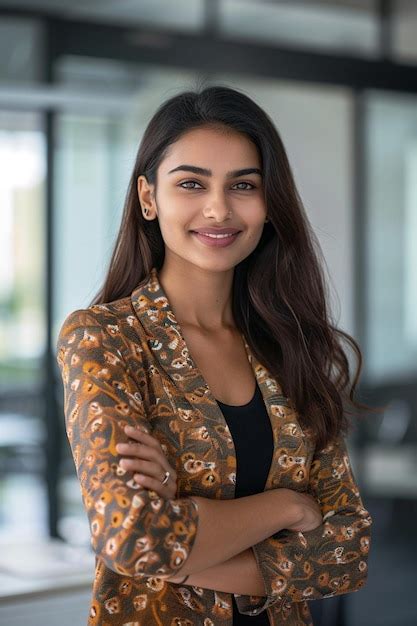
x=126, y=362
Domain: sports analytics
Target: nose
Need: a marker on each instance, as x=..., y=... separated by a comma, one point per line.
x=217, y=206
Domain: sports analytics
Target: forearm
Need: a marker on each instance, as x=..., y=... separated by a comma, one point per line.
x=240, y=574
x=228, y=527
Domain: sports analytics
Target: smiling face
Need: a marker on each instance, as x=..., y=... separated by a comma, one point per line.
x=209, y=179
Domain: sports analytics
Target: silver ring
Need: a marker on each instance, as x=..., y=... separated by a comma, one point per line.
x=166, y=478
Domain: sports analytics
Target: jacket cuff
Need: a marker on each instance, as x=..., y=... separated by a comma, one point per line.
x=253, y=605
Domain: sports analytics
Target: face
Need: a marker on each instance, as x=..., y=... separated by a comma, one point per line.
x=202, y=184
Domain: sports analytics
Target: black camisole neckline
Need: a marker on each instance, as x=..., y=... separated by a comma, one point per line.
x=241, y=407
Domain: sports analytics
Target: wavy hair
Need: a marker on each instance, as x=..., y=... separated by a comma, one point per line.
x=280, y=296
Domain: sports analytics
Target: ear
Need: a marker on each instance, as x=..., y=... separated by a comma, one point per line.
x=146, y=193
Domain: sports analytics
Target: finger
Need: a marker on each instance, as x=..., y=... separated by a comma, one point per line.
x=152, y=483
x=150, y=458
x=134, y=448
x=151, y=475
x=147, y=467
x=143, y=451
x=134, y=428
x=139, y=435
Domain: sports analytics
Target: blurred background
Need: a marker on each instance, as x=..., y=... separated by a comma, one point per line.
x=79, y=81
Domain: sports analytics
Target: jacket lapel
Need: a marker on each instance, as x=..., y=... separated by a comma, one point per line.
x=166, y=342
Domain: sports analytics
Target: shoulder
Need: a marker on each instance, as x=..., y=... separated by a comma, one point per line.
x=112, y=326
x=101, y=316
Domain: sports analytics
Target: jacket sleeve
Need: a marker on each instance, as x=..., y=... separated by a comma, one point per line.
x=328, y=560
x=133, y=530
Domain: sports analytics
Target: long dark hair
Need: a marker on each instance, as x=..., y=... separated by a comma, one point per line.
x=279, y=290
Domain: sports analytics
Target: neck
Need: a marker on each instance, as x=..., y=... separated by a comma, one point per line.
x=198, y=297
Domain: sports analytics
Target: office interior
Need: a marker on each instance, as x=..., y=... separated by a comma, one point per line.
x=78, y=83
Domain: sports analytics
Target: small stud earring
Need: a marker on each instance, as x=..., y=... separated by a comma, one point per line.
x=146, y=212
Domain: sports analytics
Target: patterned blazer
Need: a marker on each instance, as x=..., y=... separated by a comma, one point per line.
x=126, y=362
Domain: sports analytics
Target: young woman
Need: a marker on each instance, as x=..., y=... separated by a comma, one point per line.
x=206, y=388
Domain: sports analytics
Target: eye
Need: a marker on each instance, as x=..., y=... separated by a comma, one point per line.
x=194, y=182
x=186, y=182
x=245, y=183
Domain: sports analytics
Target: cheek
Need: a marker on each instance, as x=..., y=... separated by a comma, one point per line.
x=175, y=224
x=254, y=238
x=253, y=211
x=257, y=219
x=172, y=213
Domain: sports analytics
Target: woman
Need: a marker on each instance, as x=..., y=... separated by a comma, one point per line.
x=232, y=499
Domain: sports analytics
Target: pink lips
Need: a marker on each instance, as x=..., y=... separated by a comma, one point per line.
x=215, y=231
x=220, y=242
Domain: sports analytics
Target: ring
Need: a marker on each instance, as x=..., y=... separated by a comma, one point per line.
x=166, y=478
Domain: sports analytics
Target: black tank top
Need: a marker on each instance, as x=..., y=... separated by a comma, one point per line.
x=251, y=430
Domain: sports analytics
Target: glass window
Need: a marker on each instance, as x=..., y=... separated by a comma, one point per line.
x=185, y=15
x=391, y=235
x=21, y=49
x=162, y=14
x=22, y=324
x=22, y=249
x=331, y=27
x=404, y=31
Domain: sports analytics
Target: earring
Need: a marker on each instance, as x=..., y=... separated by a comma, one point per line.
x=267, y=220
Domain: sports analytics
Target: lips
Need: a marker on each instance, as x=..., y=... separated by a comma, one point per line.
x=216, y=231
x=218, y=242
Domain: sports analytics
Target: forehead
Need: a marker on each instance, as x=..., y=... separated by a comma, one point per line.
x=214, y=148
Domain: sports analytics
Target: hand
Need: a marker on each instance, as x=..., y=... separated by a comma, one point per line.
x=309, y=515
x=148, y=459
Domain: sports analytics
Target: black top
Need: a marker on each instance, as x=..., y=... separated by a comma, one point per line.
x=252, y=435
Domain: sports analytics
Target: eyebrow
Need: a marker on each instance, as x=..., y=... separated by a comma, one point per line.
x=205, y=172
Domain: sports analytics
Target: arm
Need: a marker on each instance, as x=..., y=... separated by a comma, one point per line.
x=326, y=561
x=228, y=527
x=240, y=574
x=134, y=533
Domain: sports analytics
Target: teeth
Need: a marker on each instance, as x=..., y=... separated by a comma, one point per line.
x=217, y=236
